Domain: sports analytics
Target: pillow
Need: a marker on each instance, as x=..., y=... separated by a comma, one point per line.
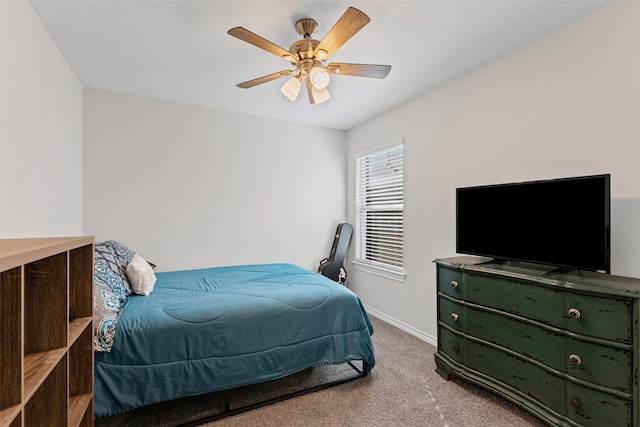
x=141, y=276
x=110, y=290
x=113, y=257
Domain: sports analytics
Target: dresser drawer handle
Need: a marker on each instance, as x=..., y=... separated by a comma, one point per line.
x=574, y=313
x=575, y=403
x=453, y=284
x=454, y=316
x=575, y=359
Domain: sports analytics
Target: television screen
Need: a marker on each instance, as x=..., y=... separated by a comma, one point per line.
x=563, y=223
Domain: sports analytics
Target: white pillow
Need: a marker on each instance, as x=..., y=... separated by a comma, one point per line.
x=141, y=276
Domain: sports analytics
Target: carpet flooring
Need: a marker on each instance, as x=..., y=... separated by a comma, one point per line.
x=402, y=390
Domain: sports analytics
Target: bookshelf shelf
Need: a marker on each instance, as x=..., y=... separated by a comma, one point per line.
x=46, y=309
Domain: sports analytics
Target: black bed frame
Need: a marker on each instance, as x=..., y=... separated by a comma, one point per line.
x=227, y=412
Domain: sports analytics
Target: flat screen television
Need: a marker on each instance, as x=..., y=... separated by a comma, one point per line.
x=564, y=223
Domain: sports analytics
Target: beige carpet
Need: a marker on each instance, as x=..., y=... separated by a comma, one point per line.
x=402, y=390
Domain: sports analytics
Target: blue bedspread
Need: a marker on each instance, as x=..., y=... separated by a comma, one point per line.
x=213, y=329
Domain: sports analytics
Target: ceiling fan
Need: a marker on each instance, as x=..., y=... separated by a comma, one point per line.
x=308, y=56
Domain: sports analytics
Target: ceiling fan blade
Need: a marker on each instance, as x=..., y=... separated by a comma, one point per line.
x=310, y=91
x=264, y=79
x=360, y=70
x=256, y=40
x=349, y=24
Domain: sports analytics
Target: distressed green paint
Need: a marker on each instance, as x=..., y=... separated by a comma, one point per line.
x=533, y=342
x=597, y=408
x=606, y=366
x=606, y=318
x=513, y=296
x=446, y=311
x=451, y=344
x=517, y=374
x=512, y=334
x=450, y=282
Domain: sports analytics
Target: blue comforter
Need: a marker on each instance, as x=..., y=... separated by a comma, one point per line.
x=218, y=328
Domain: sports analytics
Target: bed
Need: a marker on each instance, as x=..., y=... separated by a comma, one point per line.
x=204, y=330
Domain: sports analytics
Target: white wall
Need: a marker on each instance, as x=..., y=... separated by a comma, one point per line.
x=565, y=105
x=190, y=187
x=40, y=130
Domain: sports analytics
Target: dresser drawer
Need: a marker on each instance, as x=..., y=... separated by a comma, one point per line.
x=450, y=282
x=564, y=347
x=594, y=408
x=522, y=337
x=450, y=344
x=538, y=303
x=600, y=364
x=450, y=313
x=515, y=373
x=600, y=317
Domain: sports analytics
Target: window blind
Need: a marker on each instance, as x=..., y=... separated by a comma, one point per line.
x=380, y=208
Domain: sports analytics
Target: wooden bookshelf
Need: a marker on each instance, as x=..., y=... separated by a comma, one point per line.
x=46, y=311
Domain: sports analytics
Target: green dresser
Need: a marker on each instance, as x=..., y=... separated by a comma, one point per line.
x=563, y=347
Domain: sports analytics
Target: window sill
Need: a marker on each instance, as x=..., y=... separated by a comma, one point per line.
x=398, y=276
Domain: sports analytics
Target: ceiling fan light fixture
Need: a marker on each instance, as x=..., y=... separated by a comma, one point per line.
x=320, y=95
x=291, y=88
x=308, y=55
x=289, y=57
x=319, y=77
x=322, y=54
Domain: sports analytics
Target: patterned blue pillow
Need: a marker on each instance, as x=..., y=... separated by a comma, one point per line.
x=111, y=289
x=111, y=259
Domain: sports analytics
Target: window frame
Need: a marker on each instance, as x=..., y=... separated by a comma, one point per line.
x=388, y=271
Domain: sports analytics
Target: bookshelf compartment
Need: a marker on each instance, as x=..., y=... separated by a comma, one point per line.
x=10, y=340
x=45, y=317
x=37, y=367
x=81, y=411
x=10, y=417
x=77, y=327
x=46, y=326
x=81, y=282
x=81, y=363
x=48, y=405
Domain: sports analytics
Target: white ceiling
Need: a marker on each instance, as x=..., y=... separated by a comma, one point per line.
x=179, y=50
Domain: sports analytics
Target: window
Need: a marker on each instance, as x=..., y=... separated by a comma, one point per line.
x=380, y=212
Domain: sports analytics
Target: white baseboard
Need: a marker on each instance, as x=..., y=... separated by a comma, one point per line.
x=400, y=325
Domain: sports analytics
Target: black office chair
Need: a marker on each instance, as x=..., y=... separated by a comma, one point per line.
x=332, y=267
